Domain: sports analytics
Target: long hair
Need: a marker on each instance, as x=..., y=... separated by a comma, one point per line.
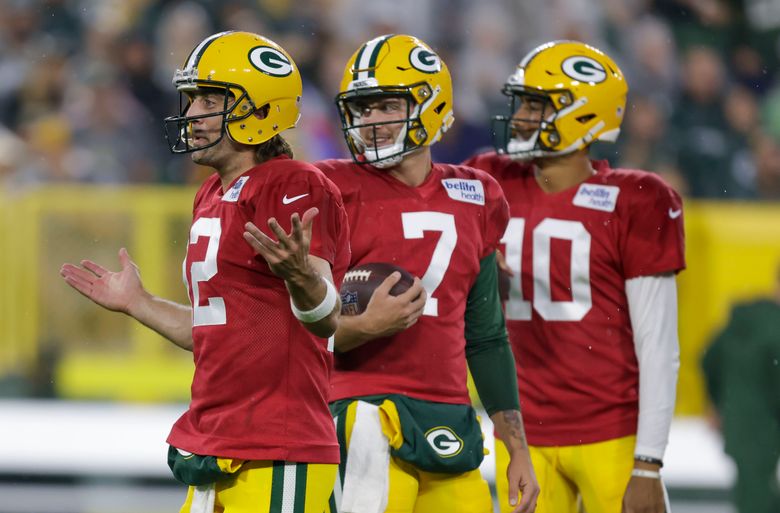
x=273, y=147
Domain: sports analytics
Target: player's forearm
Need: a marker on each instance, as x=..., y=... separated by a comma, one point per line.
x=310, y=292
x=171, y=320
x=510, y=429
x=353, y=331
x=492, y=367
x=327, y=326
x=652, y=302
x=489, y=356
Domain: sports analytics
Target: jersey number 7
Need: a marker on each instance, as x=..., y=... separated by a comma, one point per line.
x=415, y=225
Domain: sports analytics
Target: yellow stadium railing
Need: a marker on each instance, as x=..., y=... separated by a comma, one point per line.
x=733, y=250
x=98, y=354
x=733, y=254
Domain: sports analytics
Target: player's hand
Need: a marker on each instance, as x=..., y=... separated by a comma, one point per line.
x=713, y=419
x=115, y=291
x=288, y=258
x=386, y=314
x=644, y=495
x=505, y=275
x=521, y=477
x=502, y=265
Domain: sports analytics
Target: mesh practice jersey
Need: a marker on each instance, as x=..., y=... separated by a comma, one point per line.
x=567, y=312
x=437, y=231
x=260, y=388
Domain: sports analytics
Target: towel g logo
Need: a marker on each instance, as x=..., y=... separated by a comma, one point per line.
x=446, y=443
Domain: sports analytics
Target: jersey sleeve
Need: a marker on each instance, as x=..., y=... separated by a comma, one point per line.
x=330, y=225
x=496, y=215
x=478, y=161
x=653, y=238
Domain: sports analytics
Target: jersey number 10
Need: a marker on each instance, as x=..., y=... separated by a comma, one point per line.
x=517, y=307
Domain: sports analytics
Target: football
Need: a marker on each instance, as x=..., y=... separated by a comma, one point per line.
x=361, y=281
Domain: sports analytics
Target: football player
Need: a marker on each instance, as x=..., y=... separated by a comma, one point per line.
x=592, y=305
x=410, y=440
x=258, y=435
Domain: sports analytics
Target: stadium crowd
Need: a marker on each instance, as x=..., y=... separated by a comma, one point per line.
x=85, y=84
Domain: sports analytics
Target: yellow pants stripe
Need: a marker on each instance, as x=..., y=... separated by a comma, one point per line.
x=272, y=487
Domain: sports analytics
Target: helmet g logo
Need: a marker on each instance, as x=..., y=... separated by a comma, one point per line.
x=424, y=60
x=584, y=69
x=270, y=61
x=444, y=441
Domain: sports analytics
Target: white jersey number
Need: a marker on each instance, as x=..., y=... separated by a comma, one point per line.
x=518, y=308
x=415, y=224
x=213, y=313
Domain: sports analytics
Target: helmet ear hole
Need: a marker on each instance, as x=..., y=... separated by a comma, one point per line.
x=587, y=117
x=440, y=107
x=262, y=112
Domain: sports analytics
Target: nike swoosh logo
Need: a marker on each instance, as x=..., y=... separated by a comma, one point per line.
x=674, y=214
x=287, y=200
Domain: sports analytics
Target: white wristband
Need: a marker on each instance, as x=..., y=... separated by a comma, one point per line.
x=320, y=311
x=651, y=474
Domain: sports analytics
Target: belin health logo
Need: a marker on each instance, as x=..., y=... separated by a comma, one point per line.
x=469, y=191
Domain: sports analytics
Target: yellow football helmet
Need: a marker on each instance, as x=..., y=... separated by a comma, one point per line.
x=580, y=93
x=395, y=66
x=254, y=73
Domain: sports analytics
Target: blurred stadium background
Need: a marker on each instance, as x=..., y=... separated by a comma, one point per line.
x=87, y=396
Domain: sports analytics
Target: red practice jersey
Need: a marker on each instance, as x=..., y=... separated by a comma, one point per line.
x=567, y=312
x=260, y=388
x=439, y=232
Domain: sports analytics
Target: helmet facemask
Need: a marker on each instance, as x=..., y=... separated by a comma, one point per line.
x=520, y=137
x=545, y=139
x=411, y=136
x=179, y=129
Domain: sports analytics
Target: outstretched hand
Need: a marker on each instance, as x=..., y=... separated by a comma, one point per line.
x=288, y=258
x=115, y=291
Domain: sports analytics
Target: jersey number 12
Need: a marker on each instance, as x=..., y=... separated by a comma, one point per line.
x=214, y=312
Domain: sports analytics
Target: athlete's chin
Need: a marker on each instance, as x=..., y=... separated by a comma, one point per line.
x=201, y=157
